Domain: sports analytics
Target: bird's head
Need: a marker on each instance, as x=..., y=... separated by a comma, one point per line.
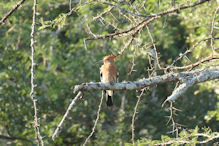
x=109, y=58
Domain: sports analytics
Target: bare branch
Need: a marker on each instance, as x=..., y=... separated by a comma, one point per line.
x=33, y=85
x=70, y=5
x=175, y=127
x=155, y=49
x=180, y=141
x=123, y=10
x=133, y=63
x=55, y=134
x=103, y=13
x=95, y=123
x=148, y=20
x=14, y=138
x=63, y=3
x=210, y=138
x=204, y=74
x=11, y=11
x=198, y=2
x=212, y=30
x=137, y=27
x=191, y=66
x=133, y=117
x=181, y=55
x=126, y=45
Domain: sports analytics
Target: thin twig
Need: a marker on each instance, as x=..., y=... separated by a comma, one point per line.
x=133, y=63
x=181, y=55
x=209, y=139
x=123, y=10
x=85, y=45
x=175, y=127
x=133, y=117
x=6, y=137
x=95, y=123
x=155, y=48
x=126, y=45
x=89, y=31
x=191, y=66
x=60, y=4
x=148, y=20
x=55, y=134
x=212, y=30
x=70, y=1
x=154, y=72
x=103, y=13
x=11, y=11
x=72, y=9
x=139, y=26
x=109, y=23
x=33, y=85
x=178, y=141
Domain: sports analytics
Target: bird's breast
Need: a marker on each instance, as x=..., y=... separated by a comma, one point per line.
x=109, y=73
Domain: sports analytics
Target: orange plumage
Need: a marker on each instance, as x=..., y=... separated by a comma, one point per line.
x=108, y=74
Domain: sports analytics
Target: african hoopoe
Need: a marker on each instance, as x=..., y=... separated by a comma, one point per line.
x=108, y=74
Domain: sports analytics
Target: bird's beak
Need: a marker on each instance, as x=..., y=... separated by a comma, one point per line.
x=100, y=61
x=114, y=56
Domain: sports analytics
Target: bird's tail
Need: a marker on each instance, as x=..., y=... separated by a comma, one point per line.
x=109, y=98
x=109, y=101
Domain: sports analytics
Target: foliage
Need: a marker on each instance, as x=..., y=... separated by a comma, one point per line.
x=64, y=59
x=191, y=137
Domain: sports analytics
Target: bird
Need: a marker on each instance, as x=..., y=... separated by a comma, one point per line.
x=109, y=74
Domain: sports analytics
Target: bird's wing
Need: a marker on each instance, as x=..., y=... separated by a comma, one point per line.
x=101, y=74
x=117, y=78
x=114, y=73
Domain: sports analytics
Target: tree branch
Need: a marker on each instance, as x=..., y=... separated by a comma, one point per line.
x=95, y=123
x=133, y=116
x=149, y=19
x=55, y=134
x=138, y=27
x=155, y=49
x=123, y=10
x=11, y=11
x=203, y=74
x=181, y=55
x=191, y=66
x=212, y=30
x=14, y=138
x=180, y=142
x=180, y=8
x=39, y=138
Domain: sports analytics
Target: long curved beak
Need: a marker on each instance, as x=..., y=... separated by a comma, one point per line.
x=100, y=61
